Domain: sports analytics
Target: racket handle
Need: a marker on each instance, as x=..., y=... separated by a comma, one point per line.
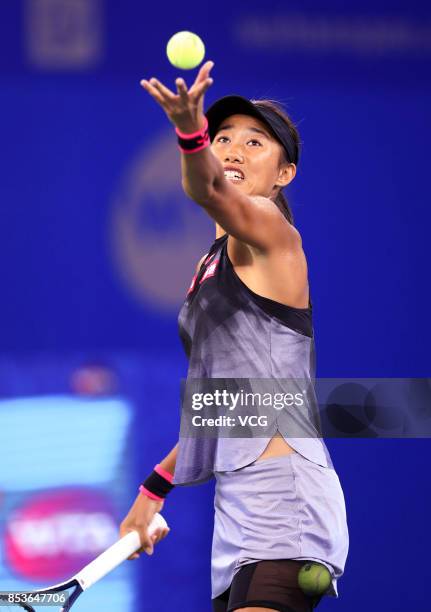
x=114, y=555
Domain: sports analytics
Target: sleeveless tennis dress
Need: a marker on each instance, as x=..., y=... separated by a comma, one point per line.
x=288, y=507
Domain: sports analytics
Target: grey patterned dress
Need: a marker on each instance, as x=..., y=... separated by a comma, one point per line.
x=289, y=507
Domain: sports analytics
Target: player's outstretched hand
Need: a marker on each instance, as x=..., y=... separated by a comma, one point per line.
x=185, y=107
x=138, y=519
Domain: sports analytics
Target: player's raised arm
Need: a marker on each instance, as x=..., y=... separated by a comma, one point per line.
x=221, y=177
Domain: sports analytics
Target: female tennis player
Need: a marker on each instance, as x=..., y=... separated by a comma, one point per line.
x=248, y=315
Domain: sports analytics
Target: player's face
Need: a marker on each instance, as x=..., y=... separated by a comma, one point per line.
x=245, y=143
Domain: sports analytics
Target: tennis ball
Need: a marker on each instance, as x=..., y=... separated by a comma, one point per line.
x=314, y=578
x=185, y=50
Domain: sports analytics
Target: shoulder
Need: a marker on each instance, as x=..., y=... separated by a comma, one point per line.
x=286, y=234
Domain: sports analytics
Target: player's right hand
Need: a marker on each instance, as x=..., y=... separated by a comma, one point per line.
x=138, y=519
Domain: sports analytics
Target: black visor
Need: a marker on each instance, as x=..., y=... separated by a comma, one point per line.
x=237, y=105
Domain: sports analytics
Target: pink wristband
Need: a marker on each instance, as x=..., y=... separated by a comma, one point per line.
x=191, y=143
x=200, y=132
x=148, y=493
x=162, y=472
x=205, y=144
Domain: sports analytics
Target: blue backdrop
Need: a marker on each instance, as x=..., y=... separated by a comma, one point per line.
x=99, y=243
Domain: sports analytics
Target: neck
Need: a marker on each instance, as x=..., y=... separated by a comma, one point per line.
x=219, y=231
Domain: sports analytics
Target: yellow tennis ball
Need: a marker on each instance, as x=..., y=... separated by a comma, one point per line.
x=185, y=50
x=314, y=578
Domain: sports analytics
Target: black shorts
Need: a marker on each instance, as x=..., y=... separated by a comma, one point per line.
x=269, y=584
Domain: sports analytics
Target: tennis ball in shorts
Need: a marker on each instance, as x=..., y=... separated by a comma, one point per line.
x=185, y=50
x=314, y=578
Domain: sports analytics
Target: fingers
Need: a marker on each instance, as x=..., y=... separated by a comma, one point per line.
x=207, y=67
x=182, y=90
x=156, y=537
x=184, y=102
x=166, y=93
x=160, y=534
x=148, y=547
x=204, y=71
x=152, y=91
x=158, y=91
x=202, y=77
x=200, y=89
x=195, y=92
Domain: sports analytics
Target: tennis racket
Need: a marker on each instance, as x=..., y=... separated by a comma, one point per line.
x=64, y=594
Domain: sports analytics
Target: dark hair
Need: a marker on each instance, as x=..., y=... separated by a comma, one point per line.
x=281, y=200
